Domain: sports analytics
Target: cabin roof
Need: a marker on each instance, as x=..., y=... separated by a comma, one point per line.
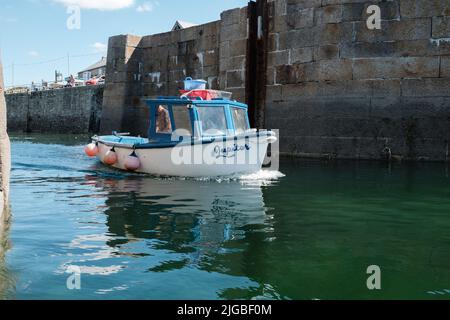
x=182, y=101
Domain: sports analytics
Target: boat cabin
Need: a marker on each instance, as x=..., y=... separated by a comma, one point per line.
x=195, y=118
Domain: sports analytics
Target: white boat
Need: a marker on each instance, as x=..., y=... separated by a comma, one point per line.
x=189, y=137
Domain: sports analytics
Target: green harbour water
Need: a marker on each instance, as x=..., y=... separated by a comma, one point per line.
x=308, y=235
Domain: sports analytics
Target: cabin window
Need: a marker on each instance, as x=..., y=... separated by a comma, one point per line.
x=213, y=120
x=240, y=120
x=182, y=120
x=163, y=123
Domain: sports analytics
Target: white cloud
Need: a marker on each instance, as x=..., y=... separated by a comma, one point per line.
x=33, y=53
x=145, y=7
x=98, y=4
x=99, y=47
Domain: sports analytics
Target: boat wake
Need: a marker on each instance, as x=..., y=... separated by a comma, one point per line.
x=260, y=178
x=262, y=175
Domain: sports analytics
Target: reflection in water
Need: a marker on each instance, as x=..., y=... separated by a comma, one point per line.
x=311, y=234
x=182, y=213
x=181, y=224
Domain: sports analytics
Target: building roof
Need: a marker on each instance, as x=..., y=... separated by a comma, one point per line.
x=179, y=24
x=97, y=65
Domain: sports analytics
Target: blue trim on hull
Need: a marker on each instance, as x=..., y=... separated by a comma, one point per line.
x=115, y=141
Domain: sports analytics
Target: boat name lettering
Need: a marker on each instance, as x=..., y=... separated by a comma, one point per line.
x=229, y=152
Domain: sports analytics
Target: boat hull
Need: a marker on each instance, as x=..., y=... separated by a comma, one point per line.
x=224, y=158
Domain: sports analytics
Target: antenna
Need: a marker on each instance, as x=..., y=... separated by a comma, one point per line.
x=12, y=75
x=68, y=64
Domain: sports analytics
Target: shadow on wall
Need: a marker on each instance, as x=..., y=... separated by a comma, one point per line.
x=7, y=283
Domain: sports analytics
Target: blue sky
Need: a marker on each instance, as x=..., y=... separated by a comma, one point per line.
x=35, y=38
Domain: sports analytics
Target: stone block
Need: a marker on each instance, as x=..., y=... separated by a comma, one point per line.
x=344, y=88
x=328, y=14
x=238, y=47
x=117, y=41
x=390, y=10
x=224, y=49
x=222, y=80
x=235, y=79
x=334, y=70
x=331, y=33
x=422, y=107
x=367, y=49
x=302, y=55
x=270, y=76
x=17, y=110
x=399, y=48
x=210, y=42
x=279, y=7
x=167, y=38
x=298, y=72
x=327, y=52
x=209, y=71
x=295, y=5
x=296, y=39
x=387, y=108
x=234, y=63
x=211, y=28
x=213, y=82
x=276, y=58
x=152, y=89
x=148, y=42
x=329, y=107
x=115, y=89
x=361, y=49
x=273, y=93
x=294, y=92
x=188, y=34
x=407, y=29
x=441, y=27
x=328, y=125
x=429, y=8
x=243, y=16
x=389, y=68
x=233, y=32
x=230, y=17
x=210, y=58
x=445, y=67
x=276, y=110
x=293, y=20
x=300, y=19
x=273, y=42
x=432, y=87
x=314, y=71
x=119, y=77
x=386, y=88
x=176, y=75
